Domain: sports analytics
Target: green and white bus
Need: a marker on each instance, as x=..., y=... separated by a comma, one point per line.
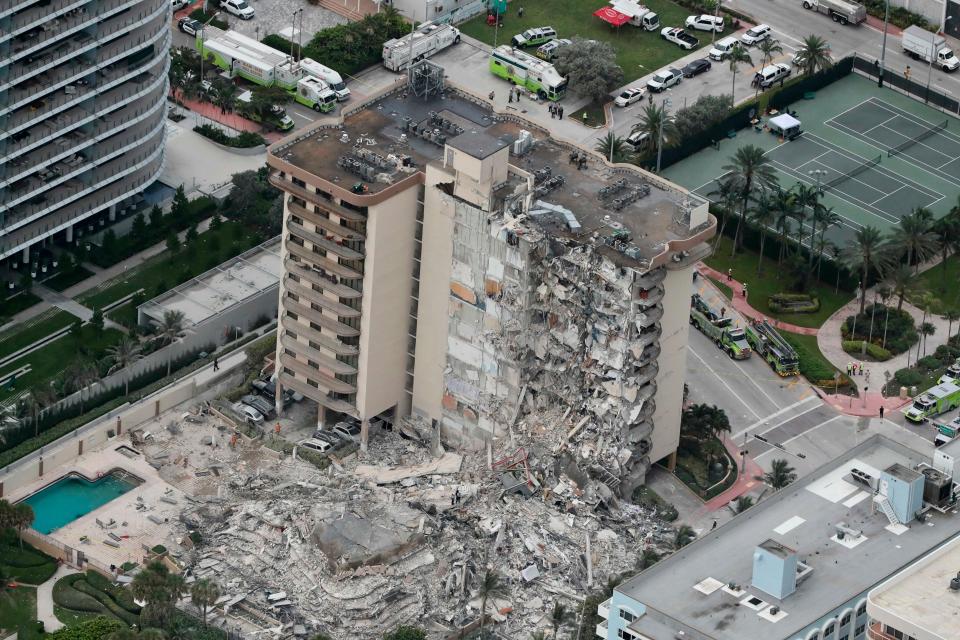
x=524, y=70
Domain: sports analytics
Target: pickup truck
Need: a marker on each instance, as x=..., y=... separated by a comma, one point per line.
x=679, y=37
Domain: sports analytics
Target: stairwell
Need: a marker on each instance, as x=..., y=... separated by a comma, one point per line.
x=887, y=508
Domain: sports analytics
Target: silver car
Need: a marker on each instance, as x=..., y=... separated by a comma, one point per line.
x=316, y=446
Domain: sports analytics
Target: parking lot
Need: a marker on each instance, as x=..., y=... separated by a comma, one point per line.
x=273, y=16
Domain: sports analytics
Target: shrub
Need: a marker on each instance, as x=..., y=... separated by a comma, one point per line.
x=929, y=363
x=899, y=16
x=99, y=627
x=108, y=603
x=947, y=353
x=900, y=331
x=908, y=377
x=875, y=351
x=202, y=16
x=243, y=140
x=793, y=303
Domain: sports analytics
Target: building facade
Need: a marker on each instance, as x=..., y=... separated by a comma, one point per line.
x=437, y=265
x=83, y=87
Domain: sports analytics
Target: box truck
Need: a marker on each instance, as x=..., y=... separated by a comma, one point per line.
x=425, y=41
x=923, y=45
x=328, y=75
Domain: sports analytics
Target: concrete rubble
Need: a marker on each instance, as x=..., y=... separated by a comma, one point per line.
x=354, y=550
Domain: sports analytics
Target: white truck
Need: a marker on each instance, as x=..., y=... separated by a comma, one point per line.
x=679, y=37
x=923, y=45
x=640, y=16
x=328, y=75
x=840, y=11
x=314, y=93
x=426, y=40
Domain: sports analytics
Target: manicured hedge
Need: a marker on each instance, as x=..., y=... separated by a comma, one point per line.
x=793, y=303
x=77, y=592
x=875, y=351
x=96, y=629
x=243, y=140
x=898, y=327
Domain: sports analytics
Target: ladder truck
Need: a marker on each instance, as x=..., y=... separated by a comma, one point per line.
x=773, y=348
x=731, y=339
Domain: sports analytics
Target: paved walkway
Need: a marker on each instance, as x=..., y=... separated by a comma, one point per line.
x=741, y=302
x=45, y=599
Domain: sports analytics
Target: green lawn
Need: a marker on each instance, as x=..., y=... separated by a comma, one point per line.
x=41, y=326
x=125, y=314
x=813, y=365
x=16, y=303
x=66, y=279
x=639, y=52
x=761, y=287
x=18, y=612
x=724, y=289
x=943, y=286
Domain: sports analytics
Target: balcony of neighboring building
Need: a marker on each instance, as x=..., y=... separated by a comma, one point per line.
x=310, y=195
x=601, y=631
x=326, y=224
x=603, y=609
x=122, y=188
x=325, y=360
x=68, y=60
x=321, y=242
x=12, y=6
x=302, y=328
x=309, y=294
x=289, y=381
x=67, y=147
x=78, y=126
x=41, y=23
x=321, y=263
x=319, y=318
x=879, y=631
x=328, y=283
x=326, y=382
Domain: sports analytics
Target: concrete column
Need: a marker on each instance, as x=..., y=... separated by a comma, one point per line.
x=25, y=256
x=112, y=214
x=672, y=462
x=80, y=448
x=321, y=416
x=41, y=466
x=278, y=398
x=69, y=233
x=364, y=434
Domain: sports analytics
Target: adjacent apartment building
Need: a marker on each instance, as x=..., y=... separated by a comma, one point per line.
x=805, y=563
x=457, y=264
x=83, y=87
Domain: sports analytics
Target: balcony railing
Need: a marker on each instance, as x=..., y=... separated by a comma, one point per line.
x=316, y=297
x=311, y=314
x=322, y=242
x=304, y=329
x=325, y=381
x=603, y=609
x=317, y=199
x=317, y=395
x=324, y=282
x=323, y=359
x=324, y=223
x=321, y=263
x=59, y=20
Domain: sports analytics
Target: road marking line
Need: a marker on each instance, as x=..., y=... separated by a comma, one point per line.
x=302, y=117
x=774, y=415
x=780, y=424
x=754, y=383
x=789, y=440
x=722, y=381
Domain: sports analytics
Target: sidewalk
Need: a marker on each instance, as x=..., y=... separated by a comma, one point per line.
x=45, y=599
x=741, y=304
x=745, y=483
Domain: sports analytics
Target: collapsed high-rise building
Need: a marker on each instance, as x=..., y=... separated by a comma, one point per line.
x=458, y=265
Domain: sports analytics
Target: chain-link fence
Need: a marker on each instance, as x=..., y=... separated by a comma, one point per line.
x=913, y=84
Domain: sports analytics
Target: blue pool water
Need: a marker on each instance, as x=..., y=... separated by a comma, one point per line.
x=71, y=497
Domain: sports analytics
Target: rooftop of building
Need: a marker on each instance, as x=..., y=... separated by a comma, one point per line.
x=689, y=590
x=626, y=211
x=203, y=297
x=921, y=594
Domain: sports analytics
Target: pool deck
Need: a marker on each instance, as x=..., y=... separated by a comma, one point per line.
x=131, y=523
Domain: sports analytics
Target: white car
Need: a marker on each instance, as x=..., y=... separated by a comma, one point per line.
x=348, y=430
x=248, y=412
x=629, y=96
x=664, y=79
x=179, y=4
x=705, y=22
x=238, y=8
x=316, y=446
x=756, y=35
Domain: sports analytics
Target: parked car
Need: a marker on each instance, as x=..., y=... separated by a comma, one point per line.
x=705, y=22
x=258, y=403
x=249, y=413
x=238, y=8
x=696, y=67
x=316, y=446
x=771, y=74
x=179, y=4
x=722, y=48
x=268, y=389
x=629, y=96
x=348, y=430
x=664, y=79
x=549, y=50
x=329, y=436
x=638, y=140
x=189, y=26
x=756, y=35
x=535, y=36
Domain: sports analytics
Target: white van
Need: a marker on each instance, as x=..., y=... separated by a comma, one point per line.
x=722, y=48
x=328, y=75
x=771, y=74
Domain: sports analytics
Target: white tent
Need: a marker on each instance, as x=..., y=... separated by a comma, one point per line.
x=785, y=125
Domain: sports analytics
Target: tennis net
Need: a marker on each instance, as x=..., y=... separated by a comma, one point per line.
x=915, y=139
x=853, y=172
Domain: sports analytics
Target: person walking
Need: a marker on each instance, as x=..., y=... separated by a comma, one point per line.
x=216, y=364
x=906, y=73
x=881, y=412
x=849, y=366
x=520, y=12
x=730, y=275
x=560, y=111
x=744, y=290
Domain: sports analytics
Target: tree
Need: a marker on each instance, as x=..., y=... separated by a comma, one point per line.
x=490, y=587
x=866, y=252
x=738, y=56
x=180, y=202
x=96, y=320
x=123, y=354
x=173, y=244
x=726, y=197
x=216, y=221
x=784, y=203
x=702, y=114
x=702, y=422
x=780, y=475
x=749, y=170
x=139, y=228
x=123, y=634
x=21, y=517
x=768, y=47
x=814, y=54
x=152, y=634
x=160, y=589
x=826, y=218
x=648, y=558
x=81, y=374
x=6, y=514
x=926, y=329
x=951, y=316
x=614, y=148
x=898, y=278
x=763, y=215
x=947, y=229
x=559, y=617
x=590, y=67
x=246, y=191
x=108, y=244
x=913, y=237
x=405, y=632
x=683, y=536
x=192, y=234
x=204, y=594
x=742, y=504
x=657, y=124
x=170, y=327
x=156, y=218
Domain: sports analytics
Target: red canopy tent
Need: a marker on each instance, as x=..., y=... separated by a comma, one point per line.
x=612, y=16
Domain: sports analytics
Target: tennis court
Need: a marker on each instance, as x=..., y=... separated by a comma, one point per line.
x=928, y=145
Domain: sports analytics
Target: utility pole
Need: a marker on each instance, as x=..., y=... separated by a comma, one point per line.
x=713, y=32
x=883, y=50
x=663, y=116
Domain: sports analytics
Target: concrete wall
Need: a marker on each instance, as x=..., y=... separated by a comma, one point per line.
x=385, y=324
x=932, y=10
x=672, y=362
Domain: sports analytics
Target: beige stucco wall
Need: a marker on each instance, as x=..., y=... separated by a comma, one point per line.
x=672, y=363
x=387, y=285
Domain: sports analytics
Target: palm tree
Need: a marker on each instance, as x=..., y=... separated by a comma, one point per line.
x=650, y=123
x=951, y=316
x=21, y=517
x=170, y=327
x=559, y=617
x=913, y=236
x=814, y=54
x=899, y=278
x=768, y=47
x=490, y=587
x=204, y=594
x=726, y=198
x=784, y=203
x=160, y=589
x=81, y=374
x=886, y=292
x=683, y=536
x=926, y=329
x=648, y=558
x=763, y=215
x=39, y=399
x=123, y=354
x=864, y=252
x=925, y=302
x=614, y=148
x=826, y=217
x=780, y=475
x=807, y=196
x=749, y=170
x=947, y=229
x=738, y=56
x=743, y=503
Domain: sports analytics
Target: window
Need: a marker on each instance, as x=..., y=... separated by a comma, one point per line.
x=845, y=620
x=626, y=615
x=626, y=634
x=829, y=630
x=859, y=630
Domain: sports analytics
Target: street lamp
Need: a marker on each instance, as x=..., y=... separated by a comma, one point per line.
x=933, y=54
x=663, y=116
x=713, y=32
x=817, y=174
x=883, y=51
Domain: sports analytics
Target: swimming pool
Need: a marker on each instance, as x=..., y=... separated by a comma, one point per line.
x=73, y=496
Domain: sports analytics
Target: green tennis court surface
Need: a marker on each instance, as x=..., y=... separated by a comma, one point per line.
x=877, y=154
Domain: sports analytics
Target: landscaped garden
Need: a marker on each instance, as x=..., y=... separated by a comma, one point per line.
x=703, y=463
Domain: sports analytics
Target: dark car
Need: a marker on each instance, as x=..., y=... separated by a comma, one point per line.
x=190, y=26
x=696, y=68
